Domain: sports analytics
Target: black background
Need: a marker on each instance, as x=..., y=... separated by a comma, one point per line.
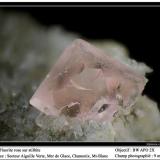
x=136, y=27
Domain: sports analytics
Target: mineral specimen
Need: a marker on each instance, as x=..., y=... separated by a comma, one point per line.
x=88, y=84
x=24, y=61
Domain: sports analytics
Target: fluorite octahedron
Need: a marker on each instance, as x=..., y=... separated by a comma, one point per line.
x=86, y=83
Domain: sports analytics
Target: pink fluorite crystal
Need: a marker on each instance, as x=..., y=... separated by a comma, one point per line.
x=88, y=84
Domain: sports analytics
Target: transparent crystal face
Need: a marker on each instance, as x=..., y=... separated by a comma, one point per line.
x=88, y=84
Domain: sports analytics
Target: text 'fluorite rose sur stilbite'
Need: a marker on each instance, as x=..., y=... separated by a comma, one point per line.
x=88, y=84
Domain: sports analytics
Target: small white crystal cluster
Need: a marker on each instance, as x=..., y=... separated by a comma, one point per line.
x=27, y=51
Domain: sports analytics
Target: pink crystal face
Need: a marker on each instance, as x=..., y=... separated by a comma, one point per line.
x=88, y=84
